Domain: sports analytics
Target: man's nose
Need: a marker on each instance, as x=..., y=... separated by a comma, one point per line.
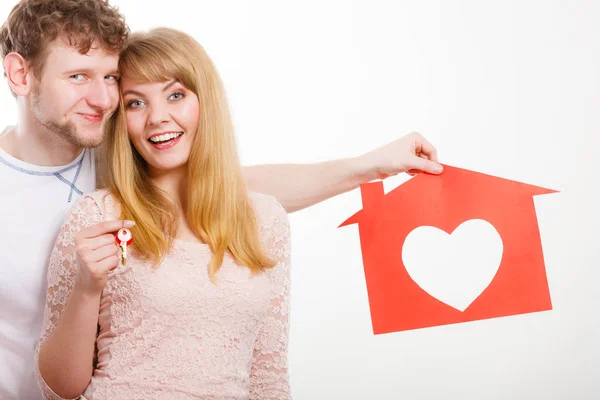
x=103, y=95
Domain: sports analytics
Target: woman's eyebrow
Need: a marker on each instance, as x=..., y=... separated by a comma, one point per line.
x=168, y=85
x=134, y=92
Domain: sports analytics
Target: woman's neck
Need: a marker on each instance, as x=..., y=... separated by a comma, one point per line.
x=173, y=183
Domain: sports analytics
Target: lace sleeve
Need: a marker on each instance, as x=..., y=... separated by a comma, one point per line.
x=269, y=373
x=62, y=274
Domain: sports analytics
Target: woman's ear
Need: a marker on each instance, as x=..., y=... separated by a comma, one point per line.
x=18, y=74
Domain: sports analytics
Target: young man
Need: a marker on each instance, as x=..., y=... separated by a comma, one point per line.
x=60, y=59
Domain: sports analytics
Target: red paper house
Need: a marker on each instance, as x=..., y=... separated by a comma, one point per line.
x=445, y=201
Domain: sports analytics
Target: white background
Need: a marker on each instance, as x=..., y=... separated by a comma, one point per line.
x=509, y=88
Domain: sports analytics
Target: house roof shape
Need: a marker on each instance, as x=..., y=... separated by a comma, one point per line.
x=461, y=187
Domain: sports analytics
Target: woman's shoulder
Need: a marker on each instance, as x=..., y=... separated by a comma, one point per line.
x=268, y=210
x=274, y=224
x=105, y=201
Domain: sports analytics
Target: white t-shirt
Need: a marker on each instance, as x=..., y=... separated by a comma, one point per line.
x=34, y=202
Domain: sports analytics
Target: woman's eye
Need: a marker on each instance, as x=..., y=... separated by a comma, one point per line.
x=77, y=77
x=177, y=96
x=134, y=104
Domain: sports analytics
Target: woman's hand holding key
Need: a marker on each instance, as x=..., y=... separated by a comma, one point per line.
x=98, y=254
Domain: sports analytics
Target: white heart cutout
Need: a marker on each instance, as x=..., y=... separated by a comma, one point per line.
x=454, y=268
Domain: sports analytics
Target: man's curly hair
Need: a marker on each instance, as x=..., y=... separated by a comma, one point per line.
x=33, y=24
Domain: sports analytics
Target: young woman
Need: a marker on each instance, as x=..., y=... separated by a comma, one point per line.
x=198, y=306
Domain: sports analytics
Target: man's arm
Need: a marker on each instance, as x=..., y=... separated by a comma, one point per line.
x=297, y=186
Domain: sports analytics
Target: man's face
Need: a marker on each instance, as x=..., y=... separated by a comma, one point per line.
x=76, y=93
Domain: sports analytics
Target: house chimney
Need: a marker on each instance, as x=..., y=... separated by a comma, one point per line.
x=372, y=198
x=372, y=195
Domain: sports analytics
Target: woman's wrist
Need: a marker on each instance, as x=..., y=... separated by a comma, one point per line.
x=84, y=294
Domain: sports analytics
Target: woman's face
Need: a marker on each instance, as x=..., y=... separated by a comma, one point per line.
x=162, y=118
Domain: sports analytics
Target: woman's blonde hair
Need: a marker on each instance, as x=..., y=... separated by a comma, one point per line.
x=218, y=208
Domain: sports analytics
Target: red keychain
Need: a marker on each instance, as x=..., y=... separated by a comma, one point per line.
x=123, y=240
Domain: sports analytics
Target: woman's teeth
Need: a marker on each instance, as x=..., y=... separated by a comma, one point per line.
x=165, y=138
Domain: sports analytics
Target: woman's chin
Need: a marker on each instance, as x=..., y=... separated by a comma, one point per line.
x=163, y=168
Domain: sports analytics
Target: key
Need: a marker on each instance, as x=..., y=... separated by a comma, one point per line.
x=123, y=240
x=123, y=254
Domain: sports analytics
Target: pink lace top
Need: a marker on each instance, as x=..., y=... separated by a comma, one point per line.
x=169, y=332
